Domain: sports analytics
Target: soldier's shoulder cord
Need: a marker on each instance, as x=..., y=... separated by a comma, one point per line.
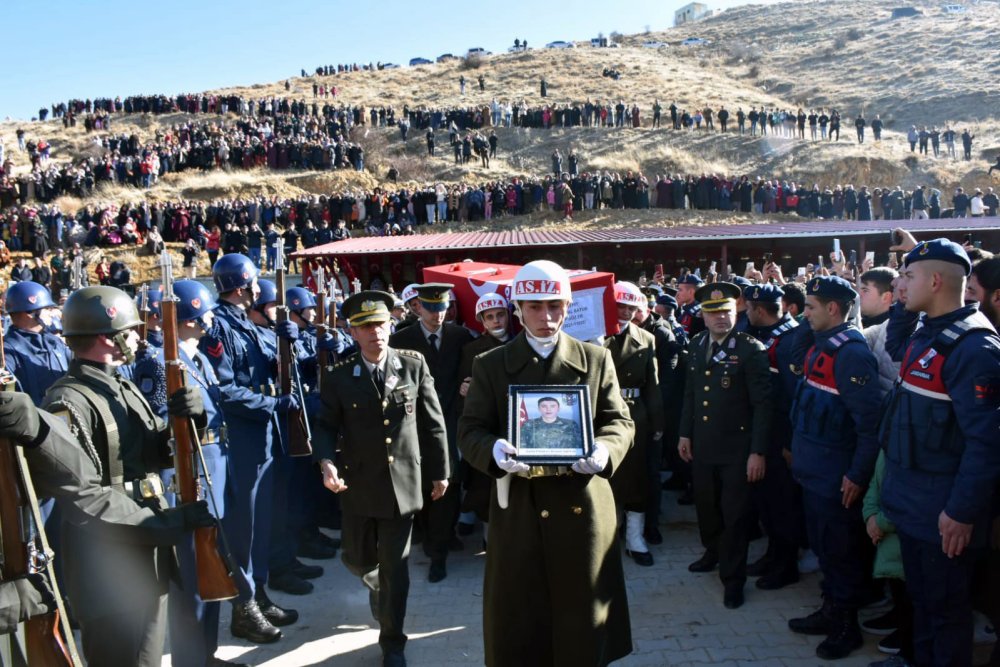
x=79, y=429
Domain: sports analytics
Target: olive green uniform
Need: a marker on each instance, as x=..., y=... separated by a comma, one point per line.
x=554, y=589
x=634, y=354
x=559, y=434
x=477, y=485
x=392, y=444
x=727, y=415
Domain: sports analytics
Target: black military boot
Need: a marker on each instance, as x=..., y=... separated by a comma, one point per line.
x=249, y=623
x=820, y=622
x=844, y=639
x=272, y=612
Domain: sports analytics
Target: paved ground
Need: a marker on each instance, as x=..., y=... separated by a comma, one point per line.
x=677, y=617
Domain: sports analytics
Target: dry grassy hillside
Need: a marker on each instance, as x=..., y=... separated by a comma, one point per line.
x=930, y=69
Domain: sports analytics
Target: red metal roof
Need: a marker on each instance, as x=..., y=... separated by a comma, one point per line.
x=544, y=237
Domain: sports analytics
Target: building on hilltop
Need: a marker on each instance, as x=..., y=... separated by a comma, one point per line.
x=691, y=12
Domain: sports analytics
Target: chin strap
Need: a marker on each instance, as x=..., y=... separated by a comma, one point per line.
x=121, y=340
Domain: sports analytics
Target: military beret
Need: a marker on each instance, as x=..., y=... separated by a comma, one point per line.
x=691, y=279
x=714, y=297
x=765, y=292
x=670, y=291
x=666, y=300
x=941, y=250
x=652, y=290
x=831, y=287
x=741, y=282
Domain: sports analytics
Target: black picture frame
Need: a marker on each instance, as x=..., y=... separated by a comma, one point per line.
x=572, y=414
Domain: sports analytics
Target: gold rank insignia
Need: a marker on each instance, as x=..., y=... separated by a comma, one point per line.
x=797, y=370
x=717, y=294
x=863, y=380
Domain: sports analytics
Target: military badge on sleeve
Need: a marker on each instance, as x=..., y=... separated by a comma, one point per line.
x=987, y=391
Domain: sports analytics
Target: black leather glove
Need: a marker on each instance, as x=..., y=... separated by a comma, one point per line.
x=186, y=402
x=194, y=515
x=19, y=418
x=35, y=595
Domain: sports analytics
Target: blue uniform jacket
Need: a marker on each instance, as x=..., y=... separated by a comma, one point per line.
x=36, y=360
x=835, y=414
x=955, y=465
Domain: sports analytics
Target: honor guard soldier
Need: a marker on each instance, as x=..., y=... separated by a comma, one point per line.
x=493, y=312
x=194, y=623
x=244, y=363
x=777, y=497
x=441, y=344
x=724, y=431
x=742, y=323
x=633, y=352
x=941, y=449
x=690, y=311
x=118, y=583
x=154, y=326
x=32, y=353
x=381, y=395
x=666, y=308
x=835, y=415
x=554, y=589
x=410, y=302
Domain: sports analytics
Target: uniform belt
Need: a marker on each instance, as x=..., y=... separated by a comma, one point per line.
x=145, y=488
x=212, y=436
x=631, y=392
x=545, y=471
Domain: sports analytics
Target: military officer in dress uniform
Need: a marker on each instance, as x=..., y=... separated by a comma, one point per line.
x=940, y=440
x=441, y=344
x=633, y=351
x=690, y=311
x=381, y=395
x=777, y=497
x=724, y=431
x=835, y=416
x=554, y=589
x=118, y=585
x=244, y=361
x=492, y=312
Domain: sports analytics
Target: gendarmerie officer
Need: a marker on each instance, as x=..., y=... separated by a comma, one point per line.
x=194, y=623
x=940, y=440
x=724, y=431
x=381, y=406
x=777, y=497
x=441, y=345
x=689, y=314
x=554, y=588
x=118, y=585
x=835, y=417
x=633, y=351
x=34, y=355
x=244, y=363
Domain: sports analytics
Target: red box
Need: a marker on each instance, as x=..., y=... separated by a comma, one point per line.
x=593, y=312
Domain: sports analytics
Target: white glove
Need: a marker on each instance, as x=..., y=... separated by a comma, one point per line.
x=595, y=463
x=502, y=450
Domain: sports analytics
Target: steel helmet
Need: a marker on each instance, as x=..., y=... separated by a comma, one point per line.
x=100, y=309
x=298, y=299
x=489, y=301
x=409, y=292
x=629, y=294
x=193, y=300
x=233, y=271
x=268, y=293
x=541, y=280
x=153, y=298
x=27, y=296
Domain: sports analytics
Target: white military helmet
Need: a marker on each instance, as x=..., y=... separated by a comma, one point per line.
x=629, y=294
x=489, y=301
x=409, y=292
x=541, y=280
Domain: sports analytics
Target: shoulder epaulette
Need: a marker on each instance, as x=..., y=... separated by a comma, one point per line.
x=850, y=335
x=956, y=331
x=410, y=353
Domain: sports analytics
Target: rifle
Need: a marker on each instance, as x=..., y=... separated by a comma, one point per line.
x=215, y=576
x=76, y=274
x=143, y=312
x=48, y=638
x=321, y=328
x=299, y=436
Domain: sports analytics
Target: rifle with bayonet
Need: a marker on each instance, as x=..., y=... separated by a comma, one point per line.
x=299, y=436
x=215, y=575
x=25, y=550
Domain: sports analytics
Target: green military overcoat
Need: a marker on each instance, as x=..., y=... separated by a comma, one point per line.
x=554, y=590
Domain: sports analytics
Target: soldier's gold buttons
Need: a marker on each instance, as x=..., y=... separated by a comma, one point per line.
x=577, y=510
x=391, y=459
x=385, y=422
x=385, y=404
x=354, y=405
x=706, y=387
x=707, y=373
x=705, y=418
x=534, y=360
x=545, y=514
x=388, y=441
x=705, y=403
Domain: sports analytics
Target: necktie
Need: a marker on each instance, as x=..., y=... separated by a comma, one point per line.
x=433, y=340
x=379, y=382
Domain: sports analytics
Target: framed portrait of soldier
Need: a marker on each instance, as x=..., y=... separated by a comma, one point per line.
x=550, y=424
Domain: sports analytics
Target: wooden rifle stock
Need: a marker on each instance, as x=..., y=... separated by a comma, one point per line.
x=323, y=356
x=45, y=639
x=143, y=313
x=297, y=429
x=215, y=581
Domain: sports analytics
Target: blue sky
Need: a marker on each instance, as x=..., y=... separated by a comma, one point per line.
x=62, y=49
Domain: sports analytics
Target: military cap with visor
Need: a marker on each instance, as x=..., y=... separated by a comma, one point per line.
x=368, y=307
x=434, y=297
x=716, y=297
